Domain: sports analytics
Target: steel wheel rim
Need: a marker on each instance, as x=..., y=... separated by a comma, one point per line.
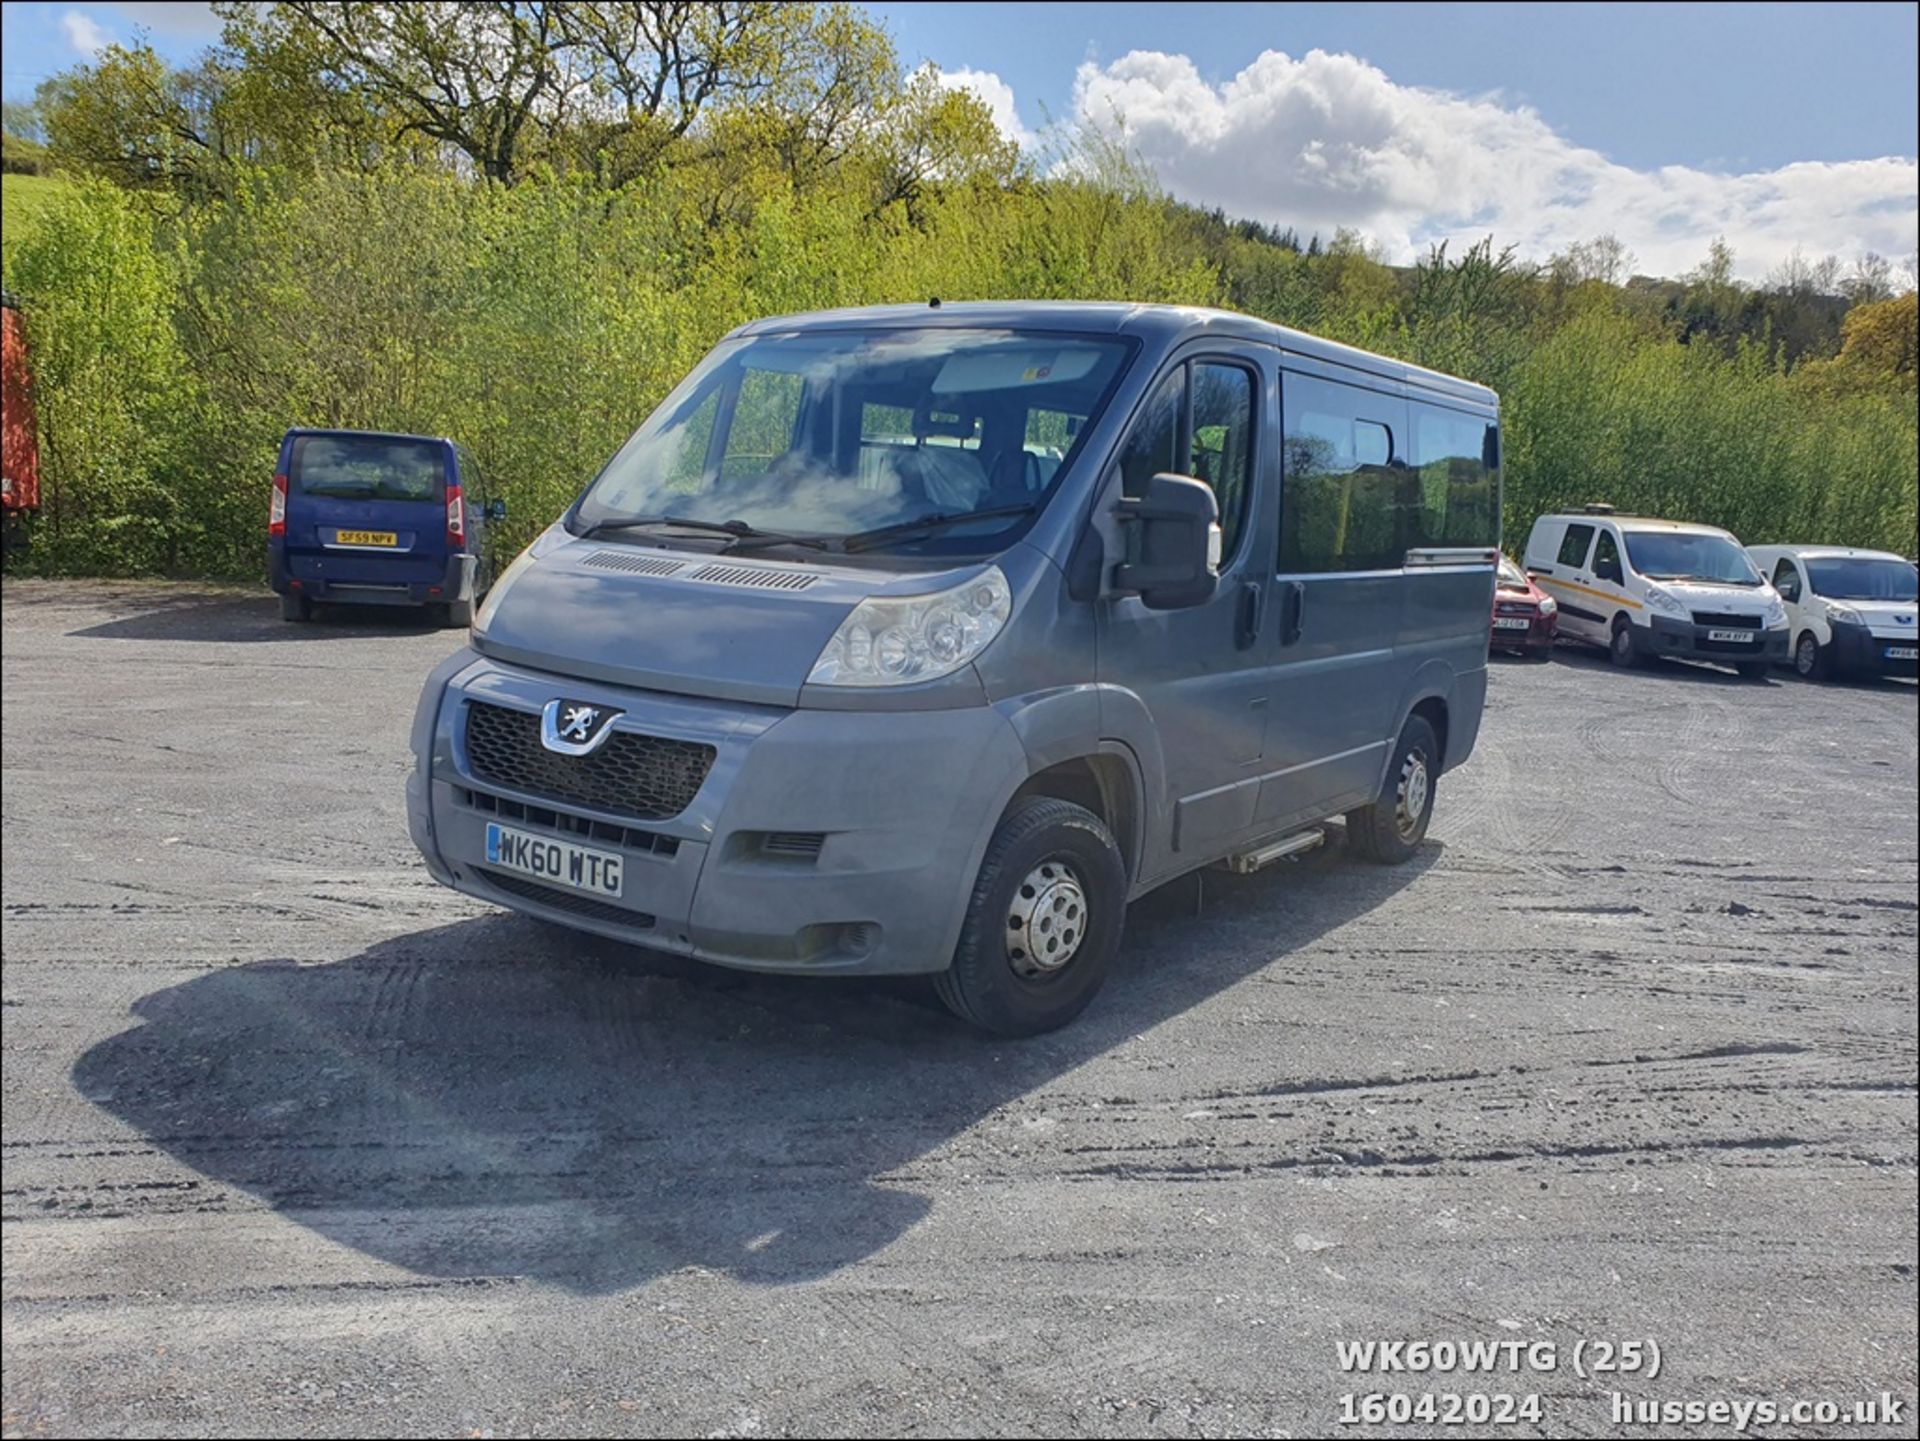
x=1412, y=794
x=1804, y=655
x=1046, y=923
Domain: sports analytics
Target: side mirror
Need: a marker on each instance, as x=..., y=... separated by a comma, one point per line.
x=496, y=510
x=1174, y=545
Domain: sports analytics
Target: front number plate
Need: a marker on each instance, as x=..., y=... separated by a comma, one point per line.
x=1512, y=622
x=558, y=863
x=366, y=537
x=1903, y=652
x=1747, y=636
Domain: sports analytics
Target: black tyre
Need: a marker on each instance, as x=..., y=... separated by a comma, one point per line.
x=1043, y=924
x=1625, y=649
x=1811, y=660
x=1753, y=669
x=295, y=607
x=1390, y=830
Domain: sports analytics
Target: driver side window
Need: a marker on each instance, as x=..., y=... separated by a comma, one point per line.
x=1786, y=580
x=1606, y=559
x=1198, y=423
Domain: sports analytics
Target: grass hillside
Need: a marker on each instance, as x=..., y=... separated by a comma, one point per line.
x=23, y=200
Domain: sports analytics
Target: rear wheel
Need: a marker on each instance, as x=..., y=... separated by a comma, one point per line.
x=1810, y=658
x=1625, y=649
x=1044, y=922
x=295, y=607
x=1390, y=830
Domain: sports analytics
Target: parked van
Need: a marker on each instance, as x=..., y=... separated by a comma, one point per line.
x=922, y=639
x=1643, y=587
x=368, y=518
x=1850, y=611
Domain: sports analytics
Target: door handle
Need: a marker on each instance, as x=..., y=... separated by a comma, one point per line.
x=1293, y=612
x=1253, y=609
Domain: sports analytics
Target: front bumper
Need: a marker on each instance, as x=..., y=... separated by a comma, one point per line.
x=1684, y=640
x=1858, y=651
x=901, y=803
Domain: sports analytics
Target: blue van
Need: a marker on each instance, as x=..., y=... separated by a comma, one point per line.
x=923, y=639
x=364, y=517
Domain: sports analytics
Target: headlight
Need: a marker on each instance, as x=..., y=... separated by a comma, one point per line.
x=1661, y=601
x=897, y=640
x=1776, y=614
x=1842, y=614
x=1548, y=605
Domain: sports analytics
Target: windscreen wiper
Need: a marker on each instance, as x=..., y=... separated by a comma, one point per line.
x=742, y=535
x=880, y=535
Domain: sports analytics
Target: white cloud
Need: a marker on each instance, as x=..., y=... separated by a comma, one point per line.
x=996, y=95
x=83, y=33
x=173, y=17
x=1328, y=141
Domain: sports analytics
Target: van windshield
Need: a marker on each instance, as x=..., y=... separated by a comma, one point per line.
x=1862, y=578
x=1690, y=555
x=367, y=467
x=933, y=442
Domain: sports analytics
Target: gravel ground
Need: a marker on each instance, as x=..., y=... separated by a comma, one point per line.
x=298, y=1143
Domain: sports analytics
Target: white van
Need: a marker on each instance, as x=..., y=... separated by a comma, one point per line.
x=1643, y=587
x=1851, y=611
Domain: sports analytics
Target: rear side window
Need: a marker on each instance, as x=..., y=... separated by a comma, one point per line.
x=1573, y=546
x=368, y=467
x=1459, y=488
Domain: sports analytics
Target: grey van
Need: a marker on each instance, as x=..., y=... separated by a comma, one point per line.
x=924, y=638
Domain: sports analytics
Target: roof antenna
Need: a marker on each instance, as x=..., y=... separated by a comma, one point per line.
x=933, y=302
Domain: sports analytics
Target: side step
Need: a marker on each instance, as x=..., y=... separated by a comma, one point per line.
x=1245, y=863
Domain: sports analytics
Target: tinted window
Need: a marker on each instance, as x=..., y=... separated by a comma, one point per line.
x=1222, y=447
x=1459, y=491
x=367, y=467
x=829, y=433
x=1606, y=558
x=1154, y=445
x=1857, y=578
x=1343, y=487
x=1573, y=546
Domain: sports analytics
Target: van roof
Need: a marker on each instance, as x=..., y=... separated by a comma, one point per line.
x=1639, y=522
x=373, y=434
x=1165, y=325
x=1828, y=552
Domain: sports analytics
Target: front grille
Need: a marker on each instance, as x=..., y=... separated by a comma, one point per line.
x=1726, y=622
x=1526, y=608
x=752, y=575
x=564, y=900
x=650, y=778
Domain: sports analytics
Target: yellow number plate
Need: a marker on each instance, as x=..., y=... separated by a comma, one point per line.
x=365, y=537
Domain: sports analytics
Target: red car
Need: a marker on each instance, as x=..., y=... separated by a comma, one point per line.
x=1525, y=617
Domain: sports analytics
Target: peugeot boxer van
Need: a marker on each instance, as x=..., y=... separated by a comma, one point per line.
x=1643, y=587
x=1851, y=612
x=922, y=639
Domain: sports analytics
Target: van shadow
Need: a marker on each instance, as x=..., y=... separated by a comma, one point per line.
x=1585, y=657
x=498, y=1097
x=225, y=616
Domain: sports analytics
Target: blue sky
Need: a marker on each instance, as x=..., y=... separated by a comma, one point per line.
x=1775, y=125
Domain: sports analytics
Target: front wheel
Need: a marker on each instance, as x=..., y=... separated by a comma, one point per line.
x=1390, y=830
x=1625, y=648
x=1044, y=922
x=1810, y=657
